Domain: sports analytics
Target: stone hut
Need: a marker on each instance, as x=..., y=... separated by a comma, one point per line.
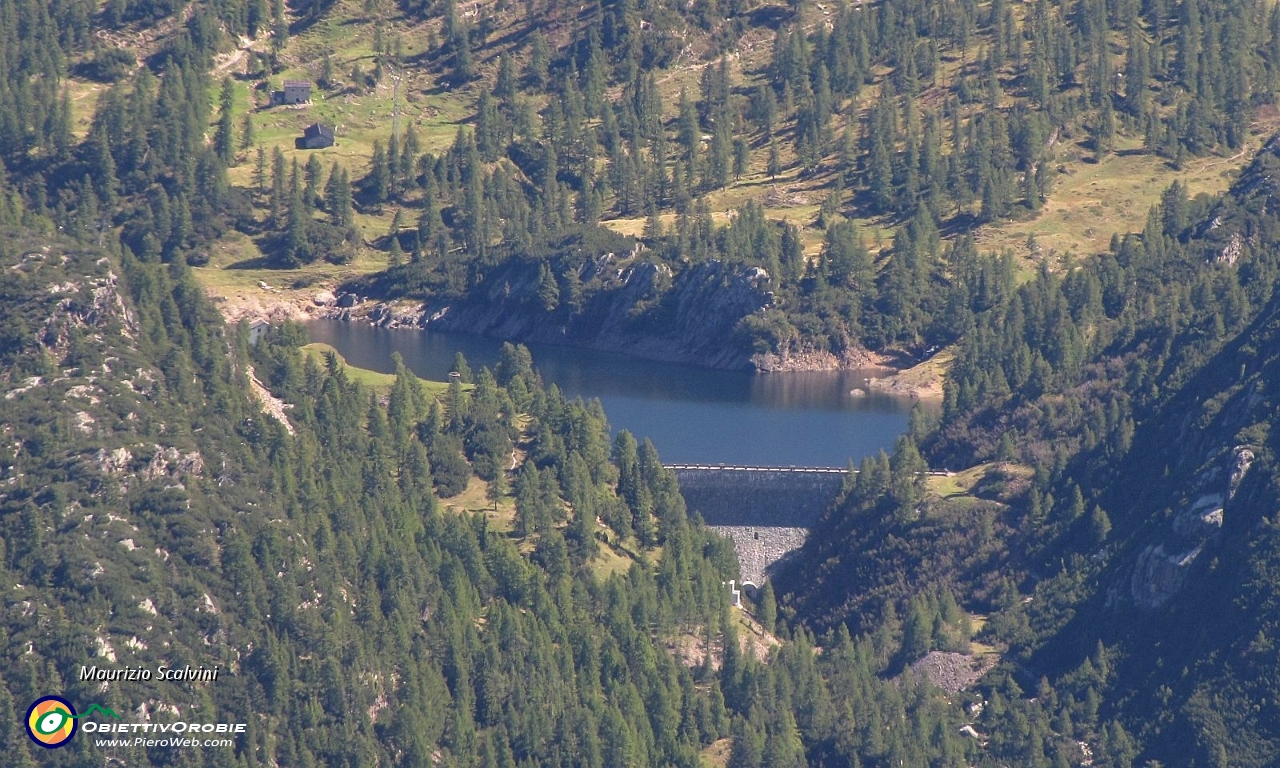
x=316, y=136
x=295, y=92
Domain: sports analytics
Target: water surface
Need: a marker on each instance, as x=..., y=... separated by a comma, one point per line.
x=692, y=414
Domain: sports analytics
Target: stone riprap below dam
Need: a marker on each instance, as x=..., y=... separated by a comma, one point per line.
x=767, y=511
x=759, y=547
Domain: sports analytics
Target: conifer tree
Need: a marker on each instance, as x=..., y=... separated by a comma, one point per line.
x=278, y=182
x=247, y=137
x=741, y=157
x=379, y=178
x=689, y=134
x=461, y=368
x=768, y=616
x=224, y=138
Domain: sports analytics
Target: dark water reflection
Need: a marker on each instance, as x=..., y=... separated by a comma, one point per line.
x=691, y=414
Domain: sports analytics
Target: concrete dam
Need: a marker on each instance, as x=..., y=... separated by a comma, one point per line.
x=767, y=511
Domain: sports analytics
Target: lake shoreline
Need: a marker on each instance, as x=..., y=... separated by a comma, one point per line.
x=274, y=305
x=693, y=414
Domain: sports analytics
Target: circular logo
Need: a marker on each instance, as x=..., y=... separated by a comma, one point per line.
x=51, y=721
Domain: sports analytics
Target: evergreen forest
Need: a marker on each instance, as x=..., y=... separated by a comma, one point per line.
x=481, y=572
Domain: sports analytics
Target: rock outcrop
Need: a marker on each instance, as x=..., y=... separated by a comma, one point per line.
x=1163, y=564
x=641, y=309
x=622, y=303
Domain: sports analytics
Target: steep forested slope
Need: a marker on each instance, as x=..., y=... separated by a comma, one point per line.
x=1121, y=544
x=1140, y=575
x=480, y=141
x=152, y=513
x=1196, y=551
x=912, y=119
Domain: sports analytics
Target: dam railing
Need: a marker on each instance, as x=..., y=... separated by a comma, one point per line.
x=749, y=468
x=792, y=468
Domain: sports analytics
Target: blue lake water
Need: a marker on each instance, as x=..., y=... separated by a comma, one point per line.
x=692, y=414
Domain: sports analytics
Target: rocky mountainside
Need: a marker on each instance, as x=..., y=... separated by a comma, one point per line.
x=1199, y=500
x=639, y=308
x=1131, y=565
x=173, y=495
x=618, y=301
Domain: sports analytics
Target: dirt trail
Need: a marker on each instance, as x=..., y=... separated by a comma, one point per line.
x=237, y=56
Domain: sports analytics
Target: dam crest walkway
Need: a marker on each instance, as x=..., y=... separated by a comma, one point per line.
x=754, y=468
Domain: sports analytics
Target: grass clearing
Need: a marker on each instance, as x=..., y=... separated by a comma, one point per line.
x=372, y=379
x=84, y=100
x=609, y=561
x=979, y=621
x=1094, y=200
x=717, y=754
x=237, y=269
x=475, y=498
x=958, y=484
x=503, y=518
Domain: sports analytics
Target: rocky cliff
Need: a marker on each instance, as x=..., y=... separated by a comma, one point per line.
x=640, y=309
x=620, y=302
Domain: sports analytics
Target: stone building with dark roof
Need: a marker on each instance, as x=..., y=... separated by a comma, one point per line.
x=295, y=92
x=316, y=136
